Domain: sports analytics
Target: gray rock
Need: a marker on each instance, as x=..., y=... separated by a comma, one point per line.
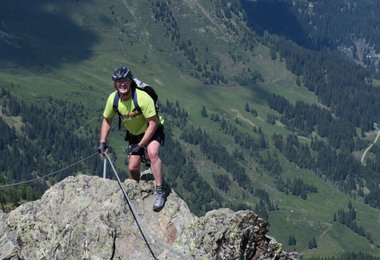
x=225, y=234
x=8, y=240
x=87, y=217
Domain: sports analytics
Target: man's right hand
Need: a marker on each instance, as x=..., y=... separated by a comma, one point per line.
x=135, y=149
x=102, y=148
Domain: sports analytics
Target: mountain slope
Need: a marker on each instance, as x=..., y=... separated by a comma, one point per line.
x=345, y=25
x=201, y=56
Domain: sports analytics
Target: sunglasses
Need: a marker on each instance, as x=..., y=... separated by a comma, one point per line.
x=121, y=82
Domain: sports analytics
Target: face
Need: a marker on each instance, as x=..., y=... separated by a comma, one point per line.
x=123, y=85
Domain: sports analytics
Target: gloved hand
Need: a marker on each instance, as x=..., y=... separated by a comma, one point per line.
x=102, y=148
x=135, y=149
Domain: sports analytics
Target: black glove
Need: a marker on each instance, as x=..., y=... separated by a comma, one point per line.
x=135, y=149
x=102, y=148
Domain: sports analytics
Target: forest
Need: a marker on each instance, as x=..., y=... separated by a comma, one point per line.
x=42, y=140
x=348, y=107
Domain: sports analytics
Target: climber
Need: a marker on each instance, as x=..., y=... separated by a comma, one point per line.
x=144, y=127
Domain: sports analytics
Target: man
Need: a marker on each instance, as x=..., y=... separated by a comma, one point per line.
x=145, y=128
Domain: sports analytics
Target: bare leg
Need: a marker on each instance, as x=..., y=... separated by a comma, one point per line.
x=155, y=162
x=134, y=165
x=156, y=167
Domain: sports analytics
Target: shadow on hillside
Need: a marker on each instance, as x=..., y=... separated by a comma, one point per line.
x=41, y=33
x=275, y=17
x=260, y=95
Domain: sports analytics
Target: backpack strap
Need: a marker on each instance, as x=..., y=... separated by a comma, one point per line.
x=135, y=103
x=115, y=106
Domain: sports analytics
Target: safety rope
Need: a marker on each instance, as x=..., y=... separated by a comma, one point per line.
x=47, y=175
x=138, y=221
x=133, y=211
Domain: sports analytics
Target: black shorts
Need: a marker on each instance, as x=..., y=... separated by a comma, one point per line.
x=159, y=136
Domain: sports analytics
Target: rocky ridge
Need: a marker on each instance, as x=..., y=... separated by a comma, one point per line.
x=87, y=217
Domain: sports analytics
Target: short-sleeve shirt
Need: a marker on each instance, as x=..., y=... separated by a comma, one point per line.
x=132, y=119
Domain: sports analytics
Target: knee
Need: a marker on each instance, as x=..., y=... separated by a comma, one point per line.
x=153, y=156
x=133, y=168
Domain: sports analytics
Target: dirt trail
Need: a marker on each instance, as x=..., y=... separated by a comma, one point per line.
x=369, y=147
x=241, y=117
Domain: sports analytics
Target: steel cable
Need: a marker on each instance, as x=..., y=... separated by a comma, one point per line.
x=47, y=175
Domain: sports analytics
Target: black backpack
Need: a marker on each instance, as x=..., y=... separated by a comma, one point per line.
x=142, y=86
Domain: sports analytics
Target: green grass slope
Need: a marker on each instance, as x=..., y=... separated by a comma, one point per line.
x=194, y=52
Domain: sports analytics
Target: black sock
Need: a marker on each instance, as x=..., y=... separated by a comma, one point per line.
x=160, y=189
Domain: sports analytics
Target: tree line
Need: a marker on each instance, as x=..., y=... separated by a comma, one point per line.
x=41, y=141
x=349, y=220
x=339, y=167
x=340, y=84
x=179, y=165
x=307, y=118
x=206, y=70
x=217, y=154
x=330, y=152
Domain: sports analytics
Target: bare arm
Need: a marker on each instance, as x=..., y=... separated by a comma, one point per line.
x=106, y=126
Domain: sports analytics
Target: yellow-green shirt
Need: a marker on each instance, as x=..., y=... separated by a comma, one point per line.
x=132, y=119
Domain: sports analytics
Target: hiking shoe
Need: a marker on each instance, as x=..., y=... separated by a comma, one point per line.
x=159, y=203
